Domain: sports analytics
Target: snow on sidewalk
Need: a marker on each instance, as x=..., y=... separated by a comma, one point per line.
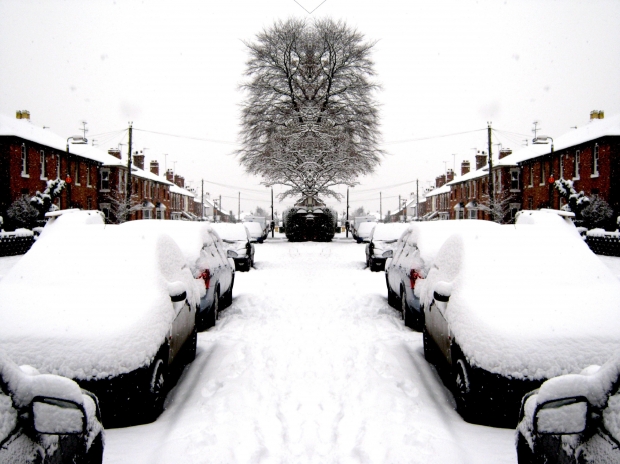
x=310, y=365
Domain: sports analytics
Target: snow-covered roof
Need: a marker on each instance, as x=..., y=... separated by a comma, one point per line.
x=594, y=129
x=438, y=191
x=181, y=191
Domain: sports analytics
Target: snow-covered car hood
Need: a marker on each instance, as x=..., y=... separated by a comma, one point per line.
x=526, y=301
x=92, y=301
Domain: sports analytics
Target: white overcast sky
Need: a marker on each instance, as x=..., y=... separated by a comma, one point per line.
x=445, y=66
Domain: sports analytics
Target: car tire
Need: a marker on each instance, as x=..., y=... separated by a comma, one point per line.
x=228, y=297
x=156, y=386
x=404, y=308
x=374, y=266
x=392, y=297
x=463, y=388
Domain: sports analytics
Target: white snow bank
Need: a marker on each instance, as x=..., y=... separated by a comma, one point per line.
x=561, y=220
x=528, y=301
x=91, y=301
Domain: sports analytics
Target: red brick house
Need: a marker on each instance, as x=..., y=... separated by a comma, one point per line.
x=31, y=155
x=588, y=155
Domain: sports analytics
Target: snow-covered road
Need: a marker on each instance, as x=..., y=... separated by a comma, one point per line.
x=310, y=364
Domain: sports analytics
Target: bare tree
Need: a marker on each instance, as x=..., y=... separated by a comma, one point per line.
x=499, y=207
x=120, y=211
x=309, y=120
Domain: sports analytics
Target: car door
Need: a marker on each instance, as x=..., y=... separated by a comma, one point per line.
x=395, y=265
x=225, y=270
x=182, y=327
x=437, y=327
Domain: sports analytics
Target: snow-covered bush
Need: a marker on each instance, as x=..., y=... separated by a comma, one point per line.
x=576, y=201
x=44, y=202
x=597, y=214
x=22, y=213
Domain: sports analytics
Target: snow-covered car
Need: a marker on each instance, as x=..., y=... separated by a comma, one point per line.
x=237, y=239
x=573, y=418
x=46, y=418
x=257, y=233
x=362, y=234
x=206, y=257
x=412, y=258
x=383, y=237
x=111, y=308
x=508, y=308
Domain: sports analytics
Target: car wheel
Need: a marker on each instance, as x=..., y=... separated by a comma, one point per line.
x=216, y=306
x=406, y=314
x=228, y=295
x=374, y=266
x=392, y=299
x=463, y=393
x=157, y=387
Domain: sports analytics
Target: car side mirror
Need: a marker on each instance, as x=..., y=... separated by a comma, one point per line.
x=443, y=291
x=231, y=254
x=388, y=254
x=563, y=416
x=56, y=416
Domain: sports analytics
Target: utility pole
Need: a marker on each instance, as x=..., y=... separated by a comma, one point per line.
x=380, y=207
x=491, y=187
x=128, y=184
x=202, y=199
x=417, y=201
x=272, y=219
x=239, y=208
x=347, y=229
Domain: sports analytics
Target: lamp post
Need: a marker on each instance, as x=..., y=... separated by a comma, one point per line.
x=76, y=139
x=541, y=140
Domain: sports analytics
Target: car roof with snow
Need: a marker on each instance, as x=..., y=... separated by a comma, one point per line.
x=527, y=300
x=92, y=301
x=190, y=236
x=429, y=236
x=254, y=228
x=228, y=231
x=390, y=231
x=365, y=228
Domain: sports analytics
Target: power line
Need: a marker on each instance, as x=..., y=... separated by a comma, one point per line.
x=202, y=139
x=237, y=188
x=384, y=187
x=431, y=137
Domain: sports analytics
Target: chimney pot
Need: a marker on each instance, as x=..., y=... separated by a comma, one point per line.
x=155, y=167
x=115, y=152
x=170, y=175
x=596, y=114
x=450, y=176
x=138, y=160
x=504, y=152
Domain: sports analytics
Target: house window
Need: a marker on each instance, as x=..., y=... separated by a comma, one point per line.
x=562, y=166
x=531, y=168
x=514, y=179
x=530, y=203
x=577, y=159
x=595, y=161
x=159, y=213
x=88, y=184
x=542, y=173
x=77, y=173
x=24, y=161
x=105, y=180
x=89, y=203
x=57, y=166
x=146, y=214
x=460, y=214
x=42, y=155
x=472, y=214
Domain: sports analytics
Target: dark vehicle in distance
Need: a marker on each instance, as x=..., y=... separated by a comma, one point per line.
x=573, y=418
x=46, y=418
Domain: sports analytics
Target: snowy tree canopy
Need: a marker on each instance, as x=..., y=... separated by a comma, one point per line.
x=309, y=120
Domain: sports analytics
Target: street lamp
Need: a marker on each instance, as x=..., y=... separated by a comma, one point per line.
x=542, y=140
x=79, y=140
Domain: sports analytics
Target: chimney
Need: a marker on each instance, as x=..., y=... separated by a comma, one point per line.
x=440, y=181
x=179, y=180
x=155, y=167
x=504, y=152
x=481, y=160
x=170, y=175
x=596, y=114
x=115, y=152
x=138, y=160
x=450, y=175
x=23, y=114
x=464, y=167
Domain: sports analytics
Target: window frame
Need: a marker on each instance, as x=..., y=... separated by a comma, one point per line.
x=43, y=165
x=595, y=161
x=576, y=165
x=24, y=155
x=106, y=179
